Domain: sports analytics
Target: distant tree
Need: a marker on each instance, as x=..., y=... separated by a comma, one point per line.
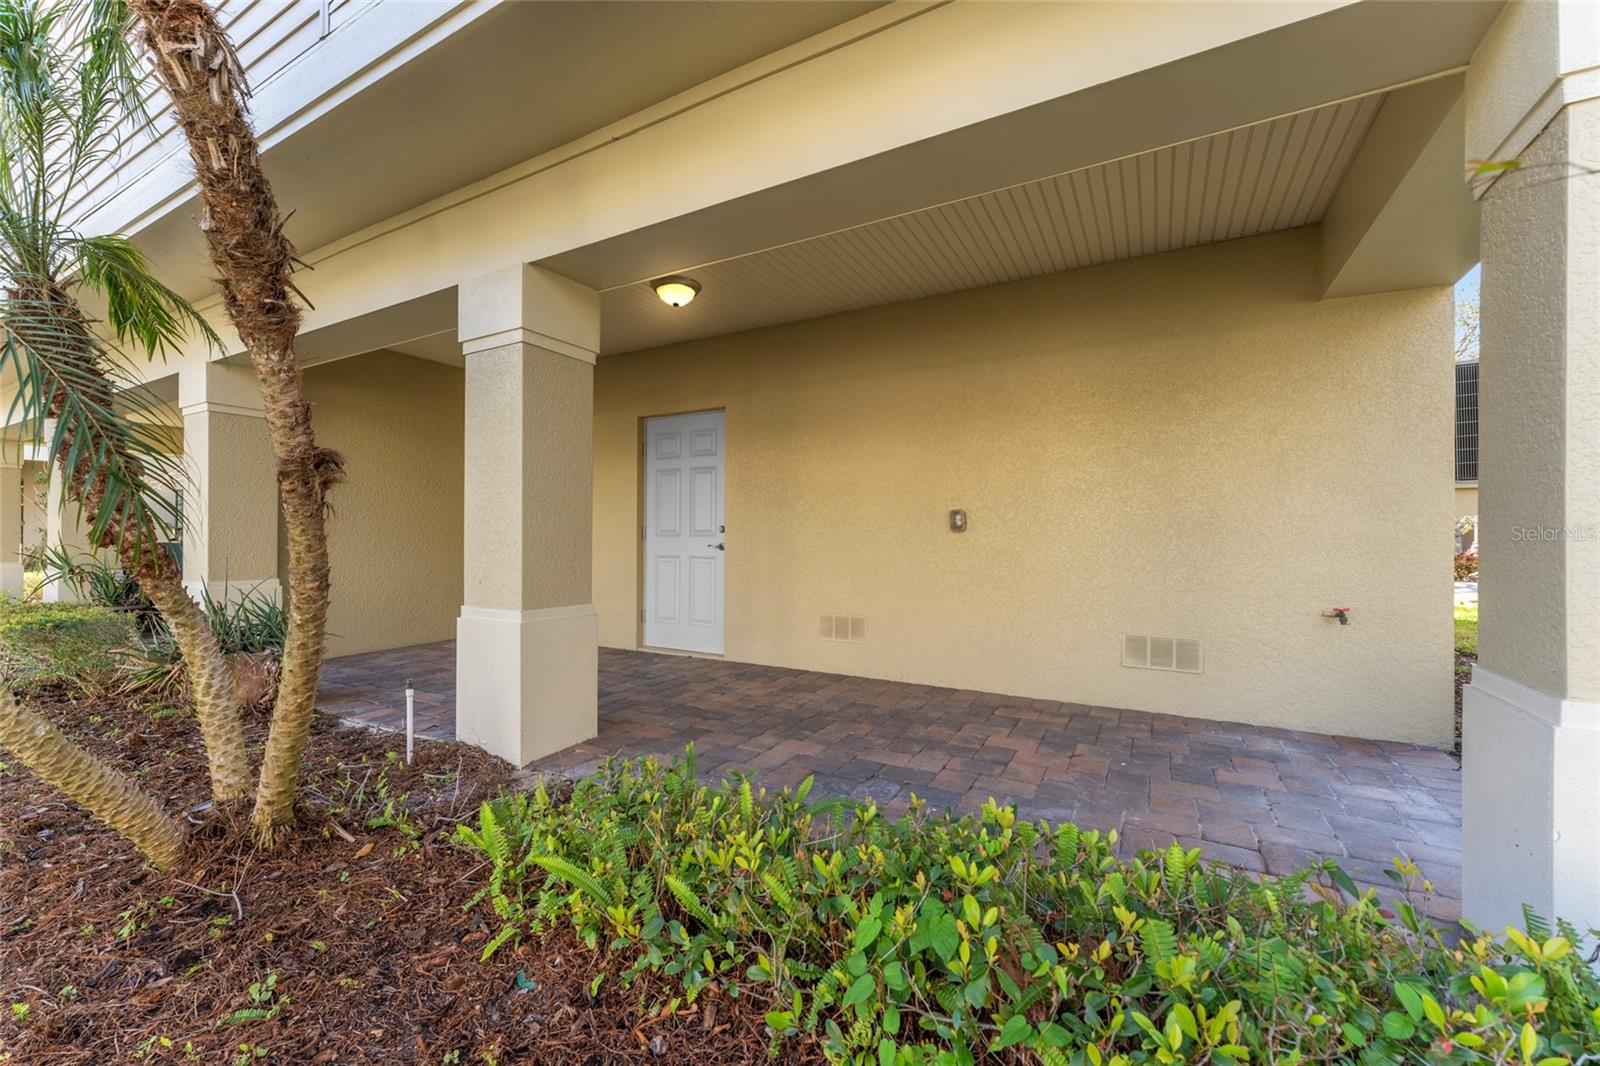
x=1467, y=329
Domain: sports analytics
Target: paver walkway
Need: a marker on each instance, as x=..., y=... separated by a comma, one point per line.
x=1257, y=797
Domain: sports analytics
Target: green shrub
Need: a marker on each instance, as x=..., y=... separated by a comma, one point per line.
x=97, y=581
x=939, y=940
x=50, y=643
x=145, y=660
x=252, y=624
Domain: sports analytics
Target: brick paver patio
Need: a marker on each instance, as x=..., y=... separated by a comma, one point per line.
x=1262, y=799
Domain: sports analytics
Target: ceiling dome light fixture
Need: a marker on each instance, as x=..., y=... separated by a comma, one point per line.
x=675, y=290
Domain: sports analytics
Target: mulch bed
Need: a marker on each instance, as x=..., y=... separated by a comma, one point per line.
x=361, y=927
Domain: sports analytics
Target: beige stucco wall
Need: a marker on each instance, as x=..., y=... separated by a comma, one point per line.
x=230, y=532
x=395, y=536
x=1541, y=378
x=1187, y=444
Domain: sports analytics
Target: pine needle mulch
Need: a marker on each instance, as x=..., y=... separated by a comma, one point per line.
x=348, y=944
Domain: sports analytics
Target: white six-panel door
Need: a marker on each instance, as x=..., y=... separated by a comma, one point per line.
x=684, y=534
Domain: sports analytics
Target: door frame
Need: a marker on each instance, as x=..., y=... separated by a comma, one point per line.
x=642, y=522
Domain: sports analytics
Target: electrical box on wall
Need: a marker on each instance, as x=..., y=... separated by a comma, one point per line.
x=958, y=521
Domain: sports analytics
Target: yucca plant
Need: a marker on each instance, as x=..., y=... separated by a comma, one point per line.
x=248, y=623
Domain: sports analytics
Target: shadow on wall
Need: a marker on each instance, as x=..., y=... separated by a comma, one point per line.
x=395, y=536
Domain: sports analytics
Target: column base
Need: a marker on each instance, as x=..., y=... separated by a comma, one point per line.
x=234, y=591
x=11, y=580
x=1530, y=813
x=527, y=682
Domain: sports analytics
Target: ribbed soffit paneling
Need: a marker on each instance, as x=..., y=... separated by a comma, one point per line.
x=1270, y=176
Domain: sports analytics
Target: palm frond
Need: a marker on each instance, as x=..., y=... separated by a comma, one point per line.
x=71, y=91
x=123, y=466
x=139, y=308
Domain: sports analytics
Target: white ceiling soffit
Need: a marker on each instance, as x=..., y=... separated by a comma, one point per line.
x=1269, y=176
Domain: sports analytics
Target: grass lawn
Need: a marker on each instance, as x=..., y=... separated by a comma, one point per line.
x=1466, y=630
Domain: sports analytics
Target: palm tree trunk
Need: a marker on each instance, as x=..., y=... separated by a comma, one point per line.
x=104, y=792
x=216, y=700
x=253, y=260
x=210, y=677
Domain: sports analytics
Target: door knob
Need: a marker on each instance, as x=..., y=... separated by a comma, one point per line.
x=719, y=547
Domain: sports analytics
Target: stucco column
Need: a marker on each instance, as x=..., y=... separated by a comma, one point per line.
x=10, y=521
x=66, y=526
x=1531, y=743
x=230, y=503
x=527, y=652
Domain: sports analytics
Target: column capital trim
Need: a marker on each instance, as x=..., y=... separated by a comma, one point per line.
x=1537, y=704
x=1536, y=60
x=218, y=407
x=533, y=338
x=538, y=614
x=1564, y=91
x=530, y=304
x=220, y=388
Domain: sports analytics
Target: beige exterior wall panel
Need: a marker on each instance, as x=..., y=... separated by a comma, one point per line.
x=35, y=487
x=67, y=527
x=230, y=510
x=1530, y=820
x=395, y=535
x=1165, y=446
x=1541, y=339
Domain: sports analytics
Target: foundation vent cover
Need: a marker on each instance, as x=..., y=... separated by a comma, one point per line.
x=849, y=628
x=1161, y=653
